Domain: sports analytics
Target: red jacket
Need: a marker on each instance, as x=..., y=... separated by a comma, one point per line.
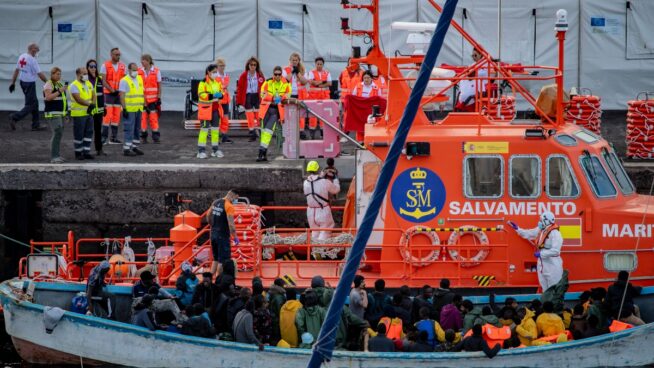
x=242, y=87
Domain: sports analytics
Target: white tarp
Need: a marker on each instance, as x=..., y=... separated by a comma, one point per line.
x=608, y=48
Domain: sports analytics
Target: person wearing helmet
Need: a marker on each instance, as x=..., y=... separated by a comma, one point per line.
x=548, y=241
x=317, y=190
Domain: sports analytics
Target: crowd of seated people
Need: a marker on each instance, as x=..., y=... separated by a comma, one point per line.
x=434, y=320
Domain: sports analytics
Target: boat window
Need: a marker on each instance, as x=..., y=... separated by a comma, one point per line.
x=561, y=182
x=616, y=168
x=483, y=176
x=586, y=136
x=525, y=176
x=566, y=140
x=620, y=261
x=597, y=176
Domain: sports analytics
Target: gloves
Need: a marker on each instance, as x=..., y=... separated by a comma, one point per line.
x=537, y=254
x=236, y=241
x=125, y=114
x=218, y=95
x=12, y=88
x=152, y=106
x=115, y=93
x=513, y=225
x=241, y=108
x=277, y=100
x=158, y=103
x=89, y=110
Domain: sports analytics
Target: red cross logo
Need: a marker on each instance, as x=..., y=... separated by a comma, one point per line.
x=22, y=62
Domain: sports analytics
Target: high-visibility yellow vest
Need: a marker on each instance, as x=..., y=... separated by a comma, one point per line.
x=85, y=93
x=57, y=106
x=207, y=88
x=134, y=98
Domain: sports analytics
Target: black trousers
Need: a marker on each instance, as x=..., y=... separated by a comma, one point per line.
x=31, y=104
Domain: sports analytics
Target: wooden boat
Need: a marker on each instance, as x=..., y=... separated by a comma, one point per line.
x=88, y=340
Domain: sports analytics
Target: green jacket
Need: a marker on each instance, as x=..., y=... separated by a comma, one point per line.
x=470, y=318
x=324, y=296
x=490, y=319
x=310, y=320
x=277, y=296
x=348, y=320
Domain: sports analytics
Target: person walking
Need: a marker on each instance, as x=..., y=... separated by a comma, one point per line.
x=112, y=72
x=54, y=94
x=223, y=78
x=220, y=216
x=317, y=190
x=209, y=112
x=28, y=69
x=319, y=81
x=99, y=112
x=81, y=108
x=247, y=94
x=131, y=91
x=151, y=76
x=273, y=92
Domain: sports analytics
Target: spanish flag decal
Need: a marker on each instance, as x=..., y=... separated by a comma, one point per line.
x=570, y=229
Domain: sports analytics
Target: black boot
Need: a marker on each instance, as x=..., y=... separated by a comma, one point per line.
x=253, y=136
x=225, y=139
x=144, y=137
x=156, y=137
x=262, y=155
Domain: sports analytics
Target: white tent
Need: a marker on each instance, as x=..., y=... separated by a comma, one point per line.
x=608, y=47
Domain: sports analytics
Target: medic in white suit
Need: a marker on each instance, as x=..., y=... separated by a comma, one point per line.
x=548, y=241
x=317, y=189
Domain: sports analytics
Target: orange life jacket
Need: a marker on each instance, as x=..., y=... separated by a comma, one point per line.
x=543, y=234
x=301, y=88
x=113, y=77
x=393, y=330
x=319, y=93
x=150, y=84
x=348, y=82
x=373, y=92
x=554, y=338
x=619, y=326
x=493, y=335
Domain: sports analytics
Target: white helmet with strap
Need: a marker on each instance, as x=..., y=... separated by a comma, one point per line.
x=547, y=218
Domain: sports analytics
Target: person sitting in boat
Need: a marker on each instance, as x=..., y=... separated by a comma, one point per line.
x=443, y=296
x=262, y=319
x=379, y=343
x=594, y=328
x=287, y=327
x=422, y=300
x=579, y=322
x=471, y=315
x=163, y=301
x=207, y=294
x=450, y=314
x=186, y=283
x=143, y=316
x=317, y=190
x=549, y=323
x=100, y=300
x=432, y=328
x=324, y=293
x=400, y=309
x=197, y=323
x=311, y=316
x=450, y=341
x=625, y=310
x=476, y=342
x=236, y=304
x=277, y=296
x=597, y=306
x=527, y=330
x=548, y=241
x=349, y=329
x=243, y=327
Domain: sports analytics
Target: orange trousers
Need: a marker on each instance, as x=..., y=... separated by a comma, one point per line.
x=251, y=117
x=152, y=118
x=113, y=115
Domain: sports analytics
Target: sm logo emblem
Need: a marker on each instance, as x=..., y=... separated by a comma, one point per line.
x=418, y=195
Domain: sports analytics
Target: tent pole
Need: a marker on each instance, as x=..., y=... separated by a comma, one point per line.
x=97, y=30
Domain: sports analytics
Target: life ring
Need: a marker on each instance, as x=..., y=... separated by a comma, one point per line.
x=477, y=258
x=406, y=252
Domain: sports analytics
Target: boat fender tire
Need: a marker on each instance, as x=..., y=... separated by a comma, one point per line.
x=477, y=258
x=406, y=252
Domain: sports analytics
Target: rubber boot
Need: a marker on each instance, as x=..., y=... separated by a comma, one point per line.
x=156, y=137
x=144, y=137
x=262, y=155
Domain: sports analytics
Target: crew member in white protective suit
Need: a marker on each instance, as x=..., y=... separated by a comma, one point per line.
x=317, y=189
x=548, y=241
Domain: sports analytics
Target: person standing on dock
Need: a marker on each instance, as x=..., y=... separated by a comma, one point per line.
x=29, y=70
x=273, y=92
x=131, y=92
x=221, y=218
x=112, y=71
x=317, y=190
x=548, y=241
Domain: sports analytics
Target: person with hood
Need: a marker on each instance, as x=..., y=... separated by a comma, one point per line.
x=527, y=330
x=143, y=316
x=185, y=284
x=549, y=323
x=311, y=316
x=324, y=293
x=243, y=326
x=100, y=300
x=423, y=300
x=476, y=342
x=450, y=314
x=349, y=326
x=442, y=297
x=277, y=296
x=471, y=315
x=207, y=294
x=287, y=313
x=614, y=299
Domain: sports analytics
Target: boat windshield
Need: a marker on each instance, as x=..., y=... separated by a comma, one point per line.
x=597, y=177
x=616, y=168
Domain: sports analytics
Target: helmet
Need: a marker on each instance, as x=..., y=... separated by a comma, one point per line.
x=547, y=218
x=313, y=166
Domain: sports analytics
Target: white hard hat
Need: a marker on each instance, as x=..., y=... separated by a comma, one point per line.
x=547, y=218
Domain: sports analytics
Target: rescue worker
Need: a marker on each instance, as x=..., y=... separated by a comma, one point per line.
x=319, y=81
x=468, y=87
x=29, y=70
x=367, y=88
x=548, y=241
x=54, y=94
x=247, y=94
x=82, y=107
x=151, y=76
x=223, y=78
x=220, y=216
x=317, y=190
x=112, y=72
x=295, y=74
x=132, y=100
x=350, y=77
x=209, y=112
x=99, y=112
x=273, y=92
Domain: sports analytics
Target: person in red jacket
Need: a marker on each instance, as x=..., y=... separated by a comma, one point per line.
x=247, y=94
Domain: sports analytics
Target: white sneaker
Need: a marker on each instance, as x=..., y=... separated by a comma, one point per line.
x=57, y=160
x=201, y=155
x=217, y=154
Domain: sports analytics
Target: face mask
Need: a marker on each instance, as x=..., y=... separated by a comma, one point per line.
x=132, y=73
x=541, y=225
x=214, y=75
x=85, y=77
x=36, y=55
